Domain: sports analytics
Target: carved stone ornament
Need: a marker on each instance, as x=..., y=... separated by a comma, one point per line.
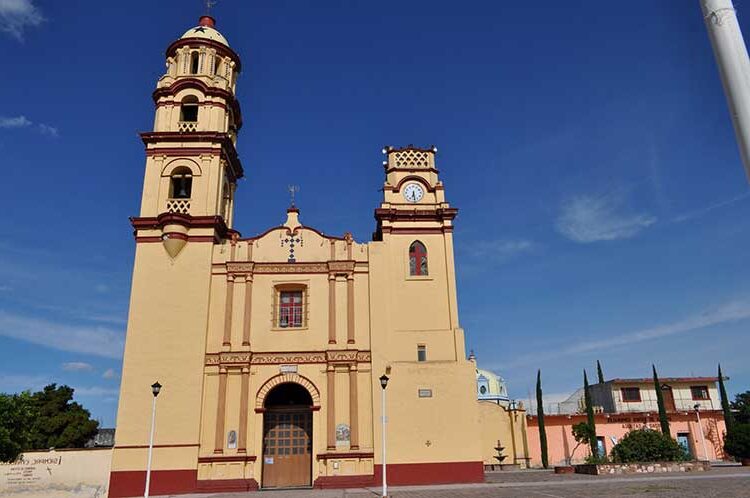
x=290, y=358
x=235, y=267
x=341, y=266
x=291, y=268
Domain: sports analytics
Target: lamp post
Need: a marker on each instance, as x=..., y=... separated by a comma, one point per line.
x=384, y=384
x=697, y=408
x=155, y=388
x=512, y=416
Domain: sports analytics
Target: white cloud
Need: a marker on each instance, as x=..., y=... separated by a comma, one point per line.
x=17, y=15
x=14, y=122
x=700, y=212
x=498, y=251
x=98, y=341
x=48, y=130
x=731, y=311
x=24, y=122
x=109, y=373
x=588, y=218
x=77, y=366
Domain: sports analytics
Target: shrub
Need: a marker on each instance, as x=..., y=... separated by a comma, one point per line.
x=646, y=445
x=737, y=442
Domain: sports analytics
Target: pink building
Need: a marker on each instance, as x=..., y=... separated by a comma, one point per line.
x=622, y=405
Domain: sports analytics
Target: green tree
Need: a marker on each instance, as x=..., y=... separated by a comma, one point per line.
x=599, y=372
x=741, y=408
x=540, y=418
x=660, y=403
x=582, y=433
x=16, y=415
x=59, y=421
x=728, y=418
x=590, y=416
x=647, y=445
x=737, y=442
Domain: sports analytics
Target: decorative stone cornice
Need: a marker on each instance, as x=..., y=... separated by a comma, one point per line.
x=242, y=358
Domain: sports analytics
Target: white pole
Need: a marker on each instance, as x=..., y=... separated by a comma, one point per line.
x=385, y=485
x=734, y=67
x=150, y=448
x=703, y=439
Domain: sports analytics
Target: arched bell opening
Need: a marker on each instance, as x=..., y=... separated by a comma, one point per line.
x=287, y=437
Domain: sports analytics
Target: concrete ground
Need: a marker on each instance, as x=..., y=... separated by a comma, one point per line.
x=724, y=482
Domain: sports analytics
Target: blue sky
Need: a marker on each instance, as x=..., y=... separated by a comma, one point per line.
x=604, y=211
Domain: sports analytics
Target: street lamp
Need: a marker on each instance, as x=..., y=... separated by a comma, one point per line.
x=384, y=384
x=155, y=388
x=697, y=408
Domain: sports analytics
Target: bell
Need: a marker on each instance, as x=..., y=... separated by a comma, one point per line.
x=182, y=194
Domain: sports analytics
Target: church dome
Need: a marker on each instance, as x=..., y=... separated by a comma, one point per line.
x=490, y=386
x=206, y=30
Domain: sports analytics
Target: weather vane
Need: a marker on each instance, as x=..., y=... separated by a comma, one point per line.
x=209, y=4
x=293, y=189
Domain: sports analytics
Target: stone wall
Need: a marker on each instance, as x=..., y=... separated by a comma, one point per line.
x=642, y=468
x=61, y=473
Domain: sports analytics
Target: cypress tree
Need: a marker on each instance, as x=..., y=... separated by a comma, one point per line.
x=540, y=417
x=599, y=372
x=728, y=417
x=590, y=416
x=660, y=402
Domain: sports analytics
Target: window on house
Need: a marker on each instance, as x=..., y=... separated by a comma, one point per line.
x=290, y=308
x=421, y=353
x=699, y=392
x=194, y=58
x=631, y=394
x=189, y=109
x=181, y=184
x=417, y=259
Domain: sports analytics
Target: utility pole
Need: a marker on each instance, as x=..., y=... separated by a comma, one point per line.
x=734, y=68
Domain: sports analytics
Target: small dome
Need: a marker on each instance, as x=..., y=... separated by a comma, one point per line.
x=206, y=31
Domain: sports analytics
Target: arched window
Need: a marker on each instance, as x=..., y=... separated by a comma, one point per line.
x=417, y=259
x=194, y=58
x=189, y=109
x=181, y=184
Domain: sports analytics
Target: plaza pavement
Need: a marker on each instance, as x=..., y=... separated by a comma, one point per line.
x=723, y=482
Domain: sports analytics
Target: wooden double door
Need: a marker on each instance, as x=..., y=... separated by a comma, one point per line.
x=287, y=447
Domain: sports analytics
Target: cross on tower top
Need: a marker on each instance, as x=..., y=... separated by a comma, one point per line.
x=292, y=189
x=209, y=4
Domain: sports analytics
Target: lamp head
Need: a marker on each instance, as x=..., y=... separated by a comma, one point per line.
x=697, y=407
x=155, y=388
x=383, y=381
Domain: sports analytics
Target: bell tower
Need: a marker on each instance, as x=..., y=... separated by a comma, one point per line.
x=185, y=221
x=192, y=165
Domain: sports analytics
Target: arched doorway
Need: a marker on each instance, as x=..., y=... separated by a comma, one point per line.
x=287, y=437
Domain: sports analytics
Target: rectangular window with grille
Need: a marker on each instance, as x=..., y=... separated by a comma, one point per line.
x=699, y=392
x=631, y=394
x=290, y=309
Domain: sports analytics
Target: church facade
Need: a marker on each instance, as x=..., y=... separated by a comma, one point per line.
x=270, y=347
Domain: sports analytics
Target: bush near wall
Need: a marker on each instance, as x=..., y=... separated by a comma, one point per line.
x=737, y=442
x=646, y=445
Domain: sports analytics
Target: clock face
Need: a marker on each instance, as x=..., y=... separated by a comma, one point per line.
x=413, y=192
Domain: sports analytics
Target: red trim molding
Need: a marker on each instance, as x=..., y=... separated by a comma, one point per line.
x=344, y=482
x=220, y=48
x=141, y=446
x=172, y=482
x=183, y=83
x=228, y=151
x=227, y=458
x=158, y=223
x=406, y=474
x=437, y=214
x=352, y=454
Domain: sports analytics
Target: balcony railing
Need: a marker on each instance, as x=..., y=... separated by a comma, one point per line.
x=184, y=126
x=181, y=206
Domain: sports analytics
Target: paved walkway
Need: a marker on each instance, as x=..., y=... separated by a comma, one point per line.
x=725, y=482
